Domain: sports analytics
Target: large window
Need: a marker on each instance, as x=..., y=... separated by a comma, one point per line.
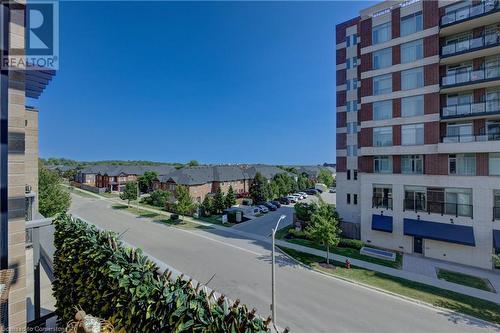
x=458, y=201
x=412, y=134
x=382, y=110
x=412, y=78
x=412, y=106
x=494, y=164
x=462, y=164
x=412, y=164
x=381, y=33
x=382, y=164
x=382, y=196
x=352, y=128
x=352, y=150
x=411, y=24
x=415, y=198
x=459, y=132
x=382, y=136
x=382, y=58
x=496, y=204
x=382, y=84
x=412, y=51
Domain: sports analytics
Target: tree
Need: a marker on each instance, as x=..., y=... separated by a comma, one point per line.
x=146, y=181
x=325, y=177
x=158, y=198
x=207, y=205
x=219, y=201
x=193, y=163
x=230, y=197
x=129, y=192
x=70, y=174
x=53, y=199
x=259, y=188
x=304, y=211
x=184, y=204
x=324, y=227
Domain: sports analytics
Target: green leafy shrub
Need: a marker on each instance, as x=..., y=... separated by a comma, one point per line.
x=304, y=210
x=158, y=198
x=96, y=272
x=351, y=243
x=297, y=233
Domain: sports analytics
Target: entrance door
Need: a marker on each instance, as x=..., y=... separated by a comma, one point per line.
x=417, y=245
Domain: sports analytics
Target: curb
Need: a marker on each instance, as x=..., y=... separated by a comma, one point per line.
x=367, y=286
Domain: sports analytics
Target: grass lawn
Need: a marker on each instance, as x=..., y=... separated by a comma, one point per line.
x=110, y=195
x=215, y=219
x=439, y=297
x=464, y=279
x=79, y=192
x=343, y=251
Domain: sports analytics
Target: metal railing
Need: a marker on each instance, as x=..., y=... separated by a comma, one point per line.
x=378, y=202
x=469, y=12
x=470, y=109
x=443, y=208
x=456, y=77
x=470, y=138
x=470, y=44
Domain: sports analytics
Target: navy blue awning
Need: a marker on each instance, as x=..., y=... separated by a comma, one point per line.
x=382, y=223
x=446, y=232
x=496, y=239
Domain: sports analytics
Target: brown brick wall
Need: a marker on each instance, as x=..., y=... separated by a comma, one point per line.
x=366, y=32
x=395, y=22
x=341, y=98
x=396, y=135
x=366, y=112
x=431, y=46
x=341, y=119
x=366, y=87
x=396, y=81
x=340, y=29
x=341, y=76
x=396, y=54
x=431, y=14
x=431, y=74
x=396, y=108
x=365, y=164
x=436, y=164
x=341, y=140
x=482, y=164
x=431, y=103
x=366, y=62
x=341, y=164
x=477, y=62
x=396, y=164
x=479, y=95
x=341, y=55
x=479, y=126
x=431, y=132
x=477, y=32
x=366, y=137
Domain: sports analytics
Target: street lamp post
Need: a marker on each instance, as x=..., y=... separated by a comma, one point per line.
x=273, y=301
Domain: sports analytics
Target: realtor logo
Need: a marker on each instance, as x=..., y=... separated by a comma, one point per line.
x=41, y=36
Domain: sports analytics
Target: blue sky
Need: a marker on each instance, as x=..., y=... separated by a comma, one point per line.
x=219, y=82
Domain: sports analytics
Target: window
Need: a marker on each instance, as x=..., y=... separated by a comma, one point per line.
x=382, y=136
x=459, y=132
x=348, y=199
x=462, y=164
x=382, y=110
x=348, y=107
x=354, y=83
x=355, y=172
x=382, y=84
x=412, y=78
x=381, y=33
x=348, y=174
x=352, y=128
x=412, y=164
x=351, y=40
x=412, y=51
x=382, y=164
x=412, y=134
x=412, y=106
x=354, y=62
x=382, y=58
x=355, y=199
x=415, y=198
x=411, y=24
x=352, y=150
x=494, y=164
x=496, y=204
x=493, y=129
x=348, y=63
x=458, y=201
x=382, y=196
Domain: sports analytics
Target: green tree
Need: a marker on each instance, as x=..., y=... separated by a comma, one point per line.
x=324, y=227
x=70, y=174
x=184, y=204
x=193, y=163
x=146, y=181
x=219, y=201
x=230, y=197
x=158, y=198
x=259, y=190
x=129, y=192
x=325, y=177
x=53, y=199
x=304, y=211
x=207, y=205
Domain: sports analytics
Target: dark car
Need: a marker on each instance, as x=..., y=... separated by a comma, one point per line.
x=284, y=201
x=276, y=203
x=320, y=191
x=270, y=206
x=311, y=191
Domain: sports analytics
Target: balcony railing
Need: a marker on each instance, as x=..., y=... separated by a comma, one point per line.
x=470, y=138
x=470, y=44
x=458, y=78
x=378, y=202
x=471, y=109
x=443, y=208
x=496, y=213
x=464, y=13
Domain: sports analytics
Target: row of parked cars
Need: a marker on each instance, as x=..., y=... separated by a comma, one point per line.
x=265, y=207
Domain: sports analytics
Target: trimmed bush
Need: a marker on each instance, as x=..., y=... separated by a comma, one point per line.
x=96, y=272
x=352, y=243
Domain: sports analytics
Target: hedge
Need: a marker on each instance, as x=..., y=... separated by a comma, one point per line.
x=96, y=272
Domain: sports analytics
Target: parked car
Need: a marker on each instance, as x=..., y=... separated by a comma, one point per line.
x=311, y=191
x=303, y=194
x=263, y=209
x=319, y=190
x=276, y=203
x=333, y=190
x=292, y=199
x=270, y=206
x=299, y=196
x=284, y=201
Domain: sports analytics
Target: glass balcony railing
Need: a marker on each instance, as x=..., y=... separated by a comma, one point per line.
x=496, y=213
x=470, y=44
x=470, y=138
x=379, y=202
x=471, y=109
x=443, y=208
x=465, y=13
x=458, y=78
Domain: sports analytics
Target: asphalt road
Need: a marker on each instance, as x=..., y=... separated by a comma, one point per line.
x=307, y=301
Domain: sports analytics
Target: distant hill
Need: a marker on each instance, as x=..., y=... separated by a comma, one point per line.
x=69, y=162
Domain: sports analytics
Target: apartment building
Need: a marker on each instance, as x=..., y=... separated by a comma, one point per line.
x=418, y=127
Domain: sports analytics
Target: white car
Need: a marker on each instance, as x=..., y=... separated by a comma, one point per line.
x=292, y=198
x=263, y=209
x=299, y=196
x=303, y=194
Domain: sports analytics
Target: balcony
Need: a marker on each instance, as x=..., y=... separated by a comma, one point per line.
x=469, y=13
x=472, y=79
x=469, y=49
x=379, y=202
x=471, y=109
x=496, y=213
x=443, y=208
x=470, y=138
